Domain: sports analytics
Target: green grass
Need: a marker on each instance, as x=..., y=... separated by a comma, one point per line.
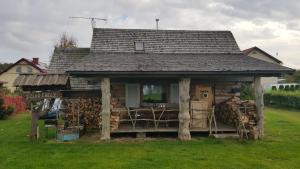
x=279, y=149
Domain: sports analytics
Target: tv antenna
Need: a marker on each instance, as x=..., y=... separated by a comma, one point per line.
x=93, y=20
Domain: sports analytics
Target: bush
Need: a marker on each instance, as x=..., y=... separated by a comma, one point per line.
x=247, y=92
x=297, y=87
x=287, y=88
x=283, y=99
x=281, y=87
x=274, y=88
x=3, y=114
x=10, y=109
x=292, y=88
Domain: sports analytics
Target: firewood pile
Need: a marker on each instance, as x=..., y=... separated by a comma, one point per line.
x=238, y=113
x=114, y=121
x=88, y=110
x=89, y=113
x=115, y=103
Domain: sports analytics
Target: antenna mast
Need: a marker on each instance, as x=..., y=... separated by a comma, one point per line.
x=93, y=19
x=157, y=20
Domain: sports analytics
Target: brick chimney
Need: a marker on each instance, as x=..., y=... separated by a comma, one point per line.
x=35, y=61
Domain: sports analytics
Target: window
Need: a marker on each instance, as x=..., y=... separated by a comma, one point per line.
x=153, y=94
x=19, y=69
x=139, y=46
x=29, y=69
x=132, y=95
x=174, y=93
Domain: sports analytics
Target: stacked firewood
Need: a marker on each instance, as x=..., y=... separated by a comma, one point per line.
x=114, y=121
x=117, y=109
x=227, y=111
x=248, y=111
x=115, y=103
x=88, y=111
x=238, y=113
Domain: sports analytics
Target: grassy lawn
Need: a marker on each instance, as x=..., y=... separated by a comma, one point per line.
x=279, y=149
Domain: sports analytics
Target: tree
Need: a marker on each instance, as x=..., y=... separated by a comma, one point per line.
x=294, y=78
x=66, y=42
x=3, y=66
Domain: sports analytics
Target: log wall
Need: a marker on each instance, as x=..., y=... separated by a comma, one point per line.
x=225, y=90
x=118, y=95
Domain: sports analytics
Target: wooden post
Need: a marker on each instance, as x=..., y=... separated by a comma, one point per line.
x=34, y=123
x=105, y=113
x=259, y=101
x=184, y=115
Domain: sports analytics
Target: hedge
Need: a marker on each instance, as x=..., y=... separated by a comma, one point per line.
x=283, y=99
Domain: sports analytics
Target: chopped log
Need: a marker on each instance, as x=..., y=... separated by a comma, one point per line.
x=259, y=101
x=105, y=113
x=238, y=113
x=184, y=115
x=88, y=109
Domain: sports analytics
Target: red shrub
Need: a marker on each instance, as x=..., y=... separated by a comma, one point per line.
x=17, y=101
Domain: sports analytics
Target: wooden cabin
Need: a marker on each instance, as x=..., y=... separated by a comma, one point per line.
x=139, y=80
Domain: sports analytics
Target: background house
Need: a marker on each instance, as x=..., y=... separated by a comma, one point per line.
x=258, y=53
x=22, y=66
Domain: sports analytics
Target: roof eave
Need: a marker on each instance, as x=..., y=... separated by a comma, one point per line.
x=268, y=73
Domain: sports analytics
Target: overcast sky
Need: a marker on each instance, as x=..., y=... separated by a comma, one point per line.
x=30, y=28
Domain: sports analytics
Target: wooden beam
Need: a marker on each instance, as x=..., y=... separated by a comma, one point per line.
x=34, y=121
x=184, y=115
x=259, y=101
x=105, y=113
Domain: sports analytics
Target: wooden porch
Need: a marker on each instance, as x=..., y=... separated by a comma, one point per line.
x=193, y=110
x=222, y=128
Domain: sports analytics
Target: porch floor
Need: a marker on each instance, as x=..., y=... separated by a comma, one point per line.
x=129, y=129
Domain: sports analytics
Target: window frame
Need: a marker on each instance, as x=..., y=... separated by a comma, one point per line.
x=139, y=50
x=18, y=69
x=174, y=95
x=162, y=100
x=128, y=103
x=29, y=69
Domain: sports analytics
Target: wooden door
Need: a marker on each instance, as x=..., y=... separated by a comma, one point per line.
x=201, y=106
x=199, y=114
x=204, y=93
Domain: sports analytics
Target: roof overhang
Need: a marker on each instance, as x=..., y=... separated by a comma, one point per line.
x=41, y=81
x=262, y=73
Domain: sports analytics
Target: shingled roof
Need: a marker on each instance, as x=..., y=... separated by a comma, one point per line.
x=63, y=59
x=41, y=80
x=163, y=41
x=174, y=63
x=165, y=51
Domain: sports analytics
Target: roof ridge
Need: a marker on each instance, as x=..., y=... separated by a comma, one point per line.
x=71, y=49
x=152, y=53
x=175, y=30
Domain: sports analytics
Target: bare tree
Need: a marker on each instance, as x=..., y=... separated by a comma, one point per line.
x=66, y=42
